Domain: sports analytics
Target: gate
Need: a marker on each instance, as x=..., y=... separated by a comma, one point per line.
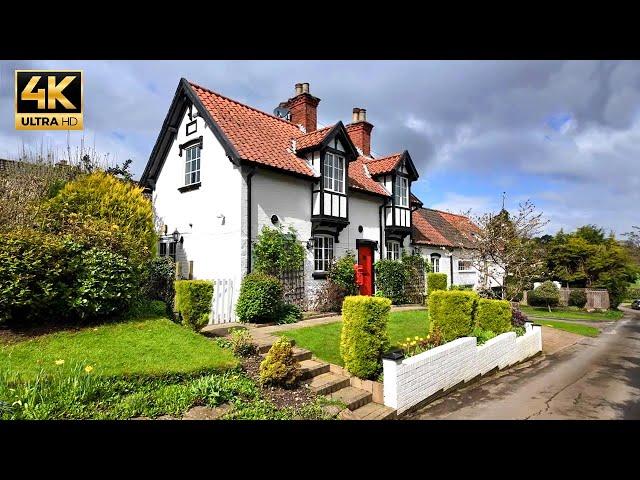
x=223, y=301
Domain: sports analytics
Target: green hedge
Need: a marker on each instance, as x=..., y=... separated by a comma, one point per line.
x=452, y=312
x=494, y=315
x=436, y=281
x=364, y=336
x=577, y=298
x=391, y=276
x=193, y=302
x=260, y=299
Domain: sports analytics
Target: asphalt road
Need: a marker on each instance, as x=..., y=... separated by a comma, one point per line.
x=597, y=378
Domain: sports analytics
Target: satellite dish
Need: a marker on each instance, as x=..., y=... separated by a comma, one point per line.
x=282, y=112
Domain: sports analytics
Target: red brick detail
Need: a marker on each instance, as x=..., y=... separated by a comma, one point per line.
x=360, y=134
x=304, y=111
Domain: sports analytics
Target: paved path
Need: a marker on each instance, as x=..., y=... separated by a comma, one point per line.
x=597, y=378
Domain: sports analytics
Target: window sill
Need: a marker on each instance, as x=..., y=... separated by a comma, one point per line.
x=319, y=275
x=466, y=271
x=188, y=188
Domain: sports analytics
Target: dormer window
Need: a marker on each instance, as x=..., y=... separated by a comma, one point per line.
x=192, y=165
x=402, y=191
x=334, y=173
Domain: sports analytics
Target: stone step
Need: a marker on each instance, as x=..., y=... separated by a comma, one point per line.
x=328, y=383
x=352, y=397
x=371, y=411
x=301, y=354
x=312, y=368
x=265, y=342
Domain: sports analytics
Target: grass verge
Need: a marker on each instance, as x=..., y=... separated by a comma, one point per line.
x=580, y=329
x=543, y=312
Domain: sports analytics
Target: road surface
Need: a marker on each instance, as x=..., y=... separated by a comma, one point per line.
x=597, y=378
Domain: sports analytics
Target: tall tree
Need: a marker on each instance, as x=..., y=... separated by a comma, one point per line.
x=506, y=251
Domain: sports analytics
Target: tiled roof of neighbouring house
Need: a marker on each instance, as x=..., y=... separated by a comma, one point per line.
x=434, y=227
x=265, y=139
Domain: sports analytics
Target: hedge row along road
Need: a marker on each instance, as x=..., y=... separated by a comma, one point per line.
x=597, y=378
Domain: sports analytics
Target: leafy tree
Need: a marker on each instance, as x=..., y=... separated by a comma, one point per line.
x=507, y=251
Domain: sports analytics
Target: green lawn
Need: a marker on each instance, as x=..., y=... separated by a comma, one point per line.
x=580, y=329
x=151, y=347
x=324, y=340
x=543, y=312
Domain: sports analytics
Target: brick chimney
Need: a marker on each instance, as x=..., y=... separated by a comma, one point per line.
x=304, y=108
x=359, y=131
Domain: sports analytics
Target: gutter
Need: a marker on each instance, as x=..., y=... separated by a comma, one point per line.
x=250, y=174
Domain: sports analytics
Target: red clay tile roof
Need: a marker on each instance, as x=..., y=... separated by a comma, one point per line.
x=359, y=180
x=434, y=227
x=312, y=139
x=256, y=136
x=383, y=165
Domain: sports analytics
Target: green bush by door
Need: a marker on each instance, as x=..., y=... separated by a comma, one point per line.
x=193, y=302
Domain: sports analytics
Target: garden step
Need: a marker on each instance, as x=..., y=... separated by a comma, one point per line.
x=328, y=383
x=352, y=397
x=373, y=411
x=301, y=354
x=264, y=343
x=312, y=368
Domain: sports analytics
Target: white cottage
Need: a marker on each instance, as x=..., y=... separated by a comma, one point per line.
x=221, y=170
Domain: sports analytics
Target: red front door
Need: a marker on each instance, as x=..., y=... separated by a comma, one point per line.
x=365, y=259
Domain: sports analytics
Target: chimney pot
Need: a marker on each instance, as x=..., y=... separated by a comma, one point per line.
x=298, y=88
x=303, y=108
x=355, y=117
x=363, y=115
x=305, y=88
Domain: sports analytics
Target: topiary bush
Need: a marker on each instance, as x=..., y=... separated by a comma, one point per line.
x=364, y=336
x=546, y=295
x=391, y=276
x=193, y=302
x=436, y=281
x=452, y=312
x=280, y=368
x=577, y=298
x=260, y=298
x=494, y=315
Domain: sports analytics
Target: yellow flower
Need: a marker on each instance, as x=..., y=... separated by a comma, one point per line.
x=88, y=368
x=413, y=344
x=408, y=339
x=59, y=362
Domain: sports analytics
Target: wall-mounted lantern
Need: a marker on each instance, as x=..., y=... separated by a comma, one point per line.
x=176, y=235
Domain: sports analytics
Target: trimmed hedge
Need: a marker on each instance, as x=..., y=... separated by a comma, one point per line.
x=577, y=298
x=260, y=298
x=546, y=295
x=193, y=302
x=452, y=312
x=364, y=336
x=494, y=315
x=436, y=281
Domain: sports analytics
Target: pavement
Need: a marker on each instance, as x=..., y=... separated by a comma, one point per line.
x=576, y=378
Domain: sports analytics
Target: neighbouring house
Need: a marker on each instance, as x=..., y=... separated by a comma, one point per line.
x=220, y=171
x=446, y=240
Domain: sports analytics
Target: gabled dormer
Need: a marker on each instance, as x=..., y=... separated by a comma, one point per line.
x=395, y=173
x=329, y=152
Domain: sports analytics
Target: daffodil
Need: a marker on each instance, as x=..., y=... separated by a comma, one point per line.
x=88, y=368
x=59, y=362
x=413, y=344
x=416, y=337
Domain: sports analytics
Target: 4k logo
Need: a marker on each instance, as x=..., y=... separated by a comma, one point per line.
x=49, y=100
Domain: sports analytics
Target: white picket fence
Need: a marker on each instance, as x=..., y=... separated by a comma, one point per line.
x=223, y=301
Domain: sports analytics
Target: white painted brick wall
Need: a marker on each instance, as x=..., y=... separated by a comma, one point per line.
x=409, y=381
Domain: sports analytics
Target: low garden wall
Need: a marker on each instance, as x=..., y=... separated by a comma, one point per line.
x=410, y=381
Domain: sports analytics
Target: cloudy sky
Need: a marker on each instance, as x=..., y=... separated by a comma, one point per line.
x=565, y=134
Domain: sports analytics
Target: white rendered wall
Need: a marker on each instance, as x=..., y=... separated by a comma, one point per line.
x=213, y=246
